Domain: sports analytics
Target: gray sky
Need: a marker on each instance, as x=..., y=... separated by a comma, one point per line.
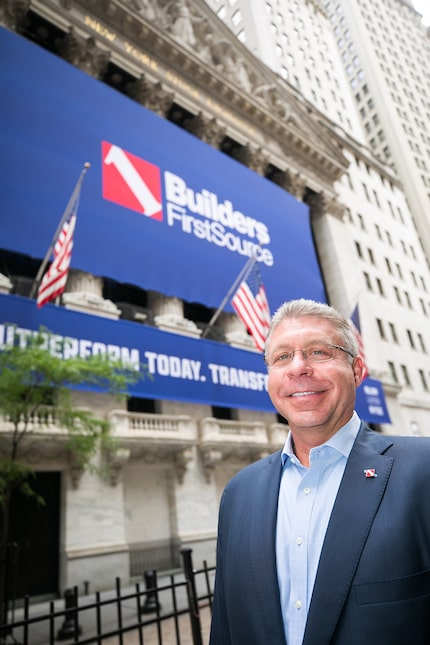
x=423, y=6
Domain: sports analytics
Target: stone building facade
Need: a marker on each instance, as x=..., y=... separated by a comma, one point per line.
x=173, y=458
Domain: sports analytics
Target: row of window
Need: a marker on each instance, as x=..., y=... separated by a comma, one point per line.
x=385, y=236
x=403, y=297
x=416, y=341
x=406, y=380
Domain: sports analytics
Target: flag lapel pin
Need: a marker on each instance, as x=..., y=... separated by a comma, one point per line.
x=370, y=472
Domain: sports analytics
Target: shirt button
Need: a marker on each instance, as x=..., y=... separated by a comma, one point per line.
x=307, y=491
x=299, y=540
x=298, y=604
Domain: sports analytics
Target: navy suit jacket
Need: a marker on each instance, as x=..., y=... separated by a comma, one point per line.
x=373, y=578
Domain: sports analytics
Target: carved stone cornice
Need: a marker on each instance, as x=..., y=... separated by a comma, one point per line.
x=151, y=95
x=116, y=458
x=254, y=159
x=13, y=13
x=84, y=53
x=211, y=457
x=297, y=185
x=334, y=207
x=322, y=204
x=207, y=130
x=189, y=51
x=191, y=57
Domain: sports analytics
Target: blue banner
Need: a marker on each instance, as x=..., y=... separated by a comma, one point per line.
x=181, y=368
x=159, y=208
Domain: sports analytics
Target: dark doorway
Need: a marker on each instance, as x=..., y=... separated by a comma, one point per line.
x=34, y=540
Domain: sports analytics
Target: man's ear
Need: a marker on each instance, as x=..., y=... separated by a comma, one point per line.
x=357, y=367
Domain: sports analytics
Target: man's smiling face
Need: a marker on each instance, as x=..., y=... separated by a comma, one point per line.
x=316, y=396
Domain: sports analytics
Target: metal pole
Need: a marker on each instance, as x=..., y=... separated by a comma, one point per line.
x=196, y=627
x=57, y=232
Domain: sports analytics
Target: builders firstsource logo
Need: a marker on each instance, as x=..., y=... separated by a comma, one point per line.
x=131, y=181
x=135, y=183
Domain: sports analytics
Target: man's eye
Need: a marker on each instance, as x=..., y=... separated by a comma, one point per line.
x=318, y=352
x=283, y=357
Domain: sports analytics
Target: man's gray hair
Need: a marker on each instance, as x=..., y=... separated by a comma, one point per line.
x=313, y=309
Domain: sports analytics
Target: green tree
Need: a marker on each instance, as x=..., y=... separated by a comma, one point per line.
x=36, y=383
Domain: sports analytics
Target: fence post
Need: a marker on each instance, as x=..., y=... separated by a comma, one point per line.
x=151, y=602
x=70, y=627
x=196, y=628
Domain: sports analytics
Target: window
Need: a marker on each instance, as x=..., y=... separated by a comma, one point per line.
x=367, y=281
x=393, y=332
x=423, y=380
x=236, y=18
x=405, y=375
x=397, y=294
x=392, y=369
x=380, y=287
x=227, y=414
x=388, y=264
x=422, y=344
x=366, y=192
x=408, y=300
x=411, y=338
x=381, y=329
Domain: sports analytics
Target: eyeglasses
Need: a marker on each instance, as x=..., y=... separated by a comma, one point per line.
x=313, y=354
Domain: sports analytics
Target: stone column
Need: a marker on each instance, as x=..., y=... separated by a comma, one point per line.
x=84, y=293
x=169, y=315
x=332, y=238
x=5, y=284
x=235, y=332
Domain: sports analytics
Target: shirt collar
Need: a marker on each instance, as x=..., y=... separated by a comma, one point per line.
x=342, y=441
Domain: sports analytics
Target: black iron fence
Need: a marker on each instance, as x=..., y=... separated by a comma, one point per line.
x=170, y=610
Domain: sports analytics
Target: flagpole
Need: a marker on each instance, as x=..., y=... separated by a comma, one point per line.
x=57, y=232
x=242, y=276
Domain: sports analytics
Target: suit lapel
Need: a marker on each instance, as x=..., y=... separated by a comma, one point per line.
x=353, y=513
x=262, y=556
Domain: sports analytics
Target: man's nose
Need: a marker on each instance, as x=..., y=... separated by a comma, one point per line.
x=299, y=362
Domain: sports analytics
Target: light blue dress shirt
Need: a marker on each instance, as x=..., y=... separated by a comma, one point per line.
x=306, y=499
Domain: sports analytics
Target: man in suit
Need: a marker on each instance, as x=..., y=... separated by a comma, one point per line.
x=326, y=542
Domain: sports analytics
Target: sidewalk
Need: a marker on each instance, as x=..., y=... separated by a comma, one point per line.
x=168, y=632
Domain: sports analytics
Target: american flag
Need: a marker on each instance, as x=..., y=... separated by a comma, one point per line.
x=250, y=303
x=54, y=281
x=355, y=322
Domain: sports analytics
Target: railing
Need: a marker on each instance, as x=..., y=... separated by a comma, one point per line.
x=154, y=426
x=174, y=611
x=224, y=432
x=41, y=421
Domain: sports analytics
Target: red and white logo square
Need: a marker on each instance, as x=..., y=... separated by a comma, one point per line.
x=131, y=181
